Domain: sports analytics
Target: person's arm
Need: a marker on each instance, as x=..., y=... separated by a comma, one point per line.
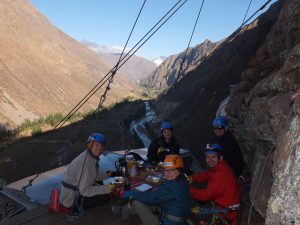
x=152, y=151
x=102, y=175
x=236, y=152
x=200, y=177
x=176, y=149
x=86, y=185
x=162, y=194
x=213, y=190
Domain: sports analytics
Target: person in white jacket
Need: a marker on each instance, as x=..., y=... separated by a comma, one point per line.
x=82, y=177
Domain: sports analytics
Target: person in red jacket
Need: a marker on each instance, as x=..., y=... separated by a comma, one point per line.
x=222, y=186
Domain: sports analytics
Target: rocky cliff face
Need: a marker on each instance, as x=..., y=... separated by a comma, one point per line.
x=42, y=70
x=265, y=114
x=165, y=75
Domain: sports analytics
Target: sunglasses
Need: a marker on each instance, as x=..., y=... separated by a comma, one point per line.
x=218, y=128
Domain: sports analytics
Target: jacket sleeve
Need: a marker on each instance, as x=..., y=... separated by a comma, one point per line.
x=86, y=186
x=213, y=190
x=176, y=149
x=200, y=177
x=162, y=194
x=101, y=176
x=152, y=151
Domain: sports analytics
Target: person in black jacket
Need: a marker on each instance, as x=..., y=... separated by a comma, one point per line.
x=232, y=153
x=165, y=145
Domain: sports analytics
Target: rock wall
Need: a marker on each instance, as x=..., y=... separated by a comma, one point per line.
x=265, y=115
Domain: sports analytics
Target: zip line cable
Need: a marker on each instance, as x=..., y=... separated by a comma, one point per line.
x=168, y=15
x=247, y=11
x=185, y=53
x=103, y=96
x=246, y=21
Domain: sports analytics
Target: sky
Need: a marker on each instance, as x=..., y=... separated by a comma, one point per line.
x=109, y=22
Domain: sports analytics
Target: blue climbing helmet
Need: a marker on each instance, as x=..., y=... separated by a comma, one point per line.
x=213, y=149
x=220, y=122
x=96, y=137
x=166, y=125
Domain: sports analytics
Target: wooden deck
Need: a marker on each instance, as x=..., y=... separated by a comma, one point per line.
x=95, y=216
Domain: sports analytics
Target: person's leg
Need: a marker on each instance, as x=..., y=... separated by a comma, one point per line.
x=94, y=201
x=142, y=210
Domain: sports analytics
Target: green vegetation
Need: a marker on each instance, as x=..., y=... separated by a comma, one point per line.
x=150, y=92
x=123, y=101
x=4, y=132
x=54, y=119
x=36, y=130
x=37, y=126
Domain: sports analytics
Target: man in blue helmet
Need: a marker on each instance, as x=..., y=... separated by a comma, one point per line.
x=165, y=145
x=232, y=153
x=82, y=177
x=221, y=184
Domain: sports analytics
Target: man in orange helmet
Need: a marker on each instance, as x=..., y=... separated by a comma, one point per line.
x=172, y=197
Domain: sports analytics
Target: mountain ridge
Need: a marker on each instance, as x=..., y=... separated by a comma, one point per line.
x=166, y=73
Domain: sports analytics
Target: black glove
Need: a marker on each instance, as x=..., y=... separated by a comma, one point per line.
x=115, y=174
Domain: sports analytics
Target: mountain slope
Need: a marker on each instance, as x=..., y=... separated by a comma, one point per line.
x=165, y=75
x=43, y=70
x=135, y=69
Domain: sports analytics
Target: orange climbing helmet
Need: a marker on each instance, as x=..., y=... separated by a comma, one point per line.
x=173, y=162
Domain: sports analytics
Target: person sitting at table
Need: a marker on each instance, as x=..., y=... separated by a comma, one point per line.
x=221, y=183
x=172, y=197
x=166, y=144
x=80, y=184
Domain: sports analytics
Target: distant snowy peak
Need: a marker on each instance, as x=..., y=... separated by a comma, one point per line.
x=159, y=60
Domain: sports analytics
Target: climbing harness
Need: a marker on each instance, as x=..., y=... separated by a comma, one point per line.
x=217, y=213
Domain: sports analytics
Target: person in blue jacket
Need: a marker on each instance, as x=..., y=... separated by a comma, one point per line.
x=172, y=197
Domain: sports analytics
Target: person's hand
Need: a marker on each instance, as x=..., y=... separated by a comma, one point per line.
x=160, y=150
x=189, y=179
x=112, y=187
x=108, y=172
x=195, y=210
x=127, y=194
x=115, y=174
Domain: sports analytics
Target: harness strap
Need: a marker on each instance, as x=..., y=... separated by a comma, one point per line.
x=173, y=218
x=69, y=186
